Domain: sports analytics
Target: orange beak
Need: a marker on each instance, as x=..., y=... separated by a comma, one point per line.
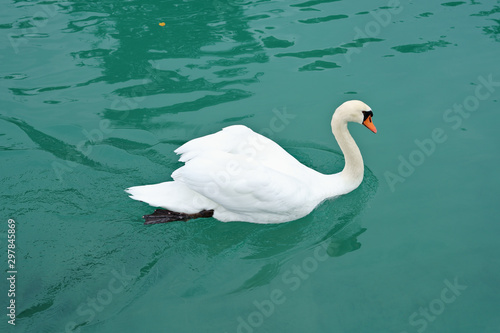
x=369, y=124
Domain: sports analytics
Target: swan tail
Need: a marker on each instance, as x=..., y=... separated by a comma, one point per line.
x=173, y=196
x=164, y=216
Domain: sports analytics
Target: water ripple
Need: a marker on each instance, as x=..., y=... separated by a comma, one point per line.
x=312, y=3
x=419, y=48
x=324, y=19
x=495, y=10
x=360, y=42
x=426, y=14
x=318, y=65
x=491, y=30
x=273, y=42
x=314, y=53
x=453, y=3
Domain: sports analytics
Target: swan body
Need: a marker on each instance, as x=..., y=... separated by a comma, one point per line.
x=241, y=175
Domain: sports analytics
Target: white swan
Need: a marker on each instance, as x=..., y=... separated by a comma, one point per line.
x=239, y=175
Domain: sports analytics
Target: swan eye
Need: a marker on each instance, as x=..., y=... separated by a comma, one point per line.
x=367, y=114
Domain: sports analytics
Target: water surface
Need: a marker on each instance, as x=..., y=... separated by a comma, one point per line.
x=95, y=96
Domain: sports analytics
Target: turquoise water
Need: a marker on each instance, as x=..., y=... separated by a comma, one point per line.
x=95, y=96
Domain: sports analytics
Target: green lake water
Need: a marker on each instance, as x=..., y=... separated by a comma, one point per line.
x=96, y=95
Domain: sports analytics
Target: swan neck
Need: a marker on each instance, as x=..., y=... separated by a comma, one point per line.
x=352, y=174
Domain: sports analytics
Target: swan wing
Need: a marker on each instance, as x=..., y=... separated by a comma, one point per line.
x=230, y=139
x=241, y=141
x=245, y=187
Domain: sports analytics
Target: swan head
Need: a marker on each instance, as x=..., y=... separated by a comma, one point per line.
x=354, y=111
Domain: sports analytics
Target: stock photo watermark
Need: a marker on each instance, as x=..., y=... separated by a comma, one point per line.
x=11, y=271
x=454, y=117
x=425, y=315
x=89, y=309
x=292, y=280
x=372, y=29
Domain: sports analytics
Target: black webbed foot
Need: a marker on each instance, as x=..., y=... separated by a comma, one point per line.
x=164, y=216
